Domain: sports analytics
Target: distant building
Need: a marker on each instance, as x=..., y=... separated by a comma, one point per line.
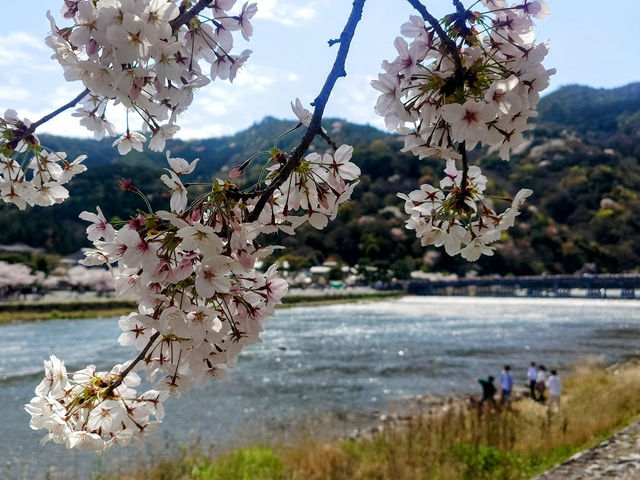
x=20, y=248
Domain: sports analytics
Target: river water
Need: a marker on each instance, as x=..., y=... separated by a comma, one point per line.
x=313, y=360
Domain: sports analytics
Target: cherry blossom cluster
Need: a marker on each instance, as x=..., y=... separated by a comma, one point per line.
x=201, y=299
x=472, y=79
x=148, y=57
x=463, y=224
x=482, y=92
x=312, y=192
x=29, y=173
x=81, y=410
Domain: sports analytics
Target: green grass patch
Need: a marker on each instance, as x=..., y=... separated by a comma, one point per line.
x=251, y=463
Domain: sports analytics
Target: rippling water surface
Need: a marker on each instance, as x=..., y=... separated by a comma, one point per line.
x=336, y=358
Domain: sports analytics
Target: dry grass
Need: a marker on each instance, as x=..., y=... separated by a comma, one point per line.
x=460, y=443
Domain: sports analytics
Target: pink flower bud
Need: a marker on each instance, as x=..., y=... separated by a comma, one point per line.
x=236, y=172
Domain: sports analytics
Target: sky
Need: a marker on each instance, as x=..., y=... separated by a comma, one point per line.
x=591, y=44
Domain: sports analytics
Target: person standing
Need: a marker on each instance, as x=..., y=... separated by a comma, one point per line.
x=506, y=385
x=555, y=390
x=541, y=378
x=488, y=390
x=532, y=373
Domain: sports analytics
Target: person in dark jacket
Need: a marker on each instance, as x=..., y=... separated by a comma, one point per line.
x=532, y=373
x=488, y=389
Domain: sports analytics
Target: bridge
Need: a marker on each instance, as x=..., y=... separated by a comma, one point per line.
x=564, y=286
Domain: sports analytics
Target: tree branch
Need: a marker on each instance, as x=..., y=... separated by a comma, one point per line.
x=186, y=16
x=127, y=370
x=448, y=43
x=452, y=50
x=315, y=128
x=66, y=106
x=459, y=6
x=23, y=133
x=462, y=150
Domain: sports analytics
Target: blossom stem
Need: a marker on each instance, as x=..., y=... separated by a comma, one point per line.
x=328, y=139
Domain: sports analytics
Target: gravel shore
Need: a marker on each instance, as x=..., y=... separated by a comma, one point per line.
x=616, y=458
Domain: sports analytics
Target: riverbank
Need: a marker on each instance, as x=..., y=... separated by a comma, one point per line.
x=437, y=439
x=102, y=308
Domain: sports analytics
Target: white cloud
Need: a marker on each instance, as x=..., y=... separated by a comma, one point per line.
x=355, y=100
x=285, y=13
x=21, y=38
x=255, y=78
x=14, y=93
x=19, y=46
x=206, y=130
x=22, y=54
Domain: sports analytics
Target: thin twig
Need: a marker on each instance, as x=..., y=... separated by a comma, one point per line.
x=459, y=6
x=329, y=140
x=459, y=73
x=448, y=43
x=127, y=370
x=187, y=15
x=462, y=150
x=58, y=111
x=24, y=133
x=319, y=104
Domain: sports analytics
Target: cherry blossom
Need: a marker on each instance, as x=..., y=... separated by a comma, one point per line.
x=132, y=53
x=472, y=79
x=201, y=299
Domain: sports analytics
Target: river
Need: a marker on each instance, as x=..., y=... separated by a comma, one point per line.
x=335, y=358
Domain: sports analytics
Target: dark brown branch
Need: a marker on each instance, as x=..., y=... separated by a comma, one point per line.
x=315, y=128
x=459, y=73
x=127, y=370
x=187, y=15
x=24, y=133
x=448, y=43
x=462, y=150
x=66, y=106
x=459, y=6
x=328, y=139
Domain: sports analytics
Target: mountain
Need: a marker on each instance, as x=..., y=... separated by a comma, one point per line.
x=581, y=160
x=214, y=153
x=607, y=117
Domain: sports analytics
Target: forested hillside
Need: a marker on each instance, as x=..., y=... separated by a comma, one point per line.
x=581, y=160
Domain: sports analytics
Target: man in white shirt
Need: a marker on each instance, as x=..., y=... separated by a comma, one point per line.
x=555, y=389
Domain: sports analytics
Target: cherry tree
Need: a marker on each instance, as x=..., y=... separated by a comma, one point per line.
x=472, y=78
x=96, y=279
x=14, y=277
